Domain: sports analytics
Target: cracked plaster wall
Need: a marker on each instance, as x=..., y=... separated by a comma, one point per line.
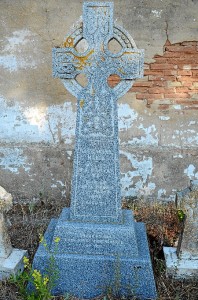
x=158, y=149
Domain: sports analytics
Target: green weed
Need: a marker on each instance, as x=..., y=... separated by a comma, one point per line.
x=42, y=284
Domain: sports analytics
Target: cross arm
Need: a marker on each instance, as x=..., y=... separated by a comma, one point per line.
x=128, y=65
x=67, y=63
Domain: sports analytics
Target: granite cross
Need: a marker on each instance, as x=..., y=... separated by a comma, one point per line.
x=97, y=238
x=96, y=195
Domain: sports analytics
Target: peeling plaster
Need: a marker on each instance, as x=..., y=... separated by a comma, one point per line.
x=69, y=152
x=14, y=56
x=12, y=159
x=126, y=116
x=13, y=63
x=9, y=62
x=55, y=123
x=190, y=172
x=188, y=137
x=177, y=106
x=192, y=123
x=161, y=193
x=157, y=13
x=18, y=39
x=148, y=137
x=164, y=118
x=177, y=156
x=135, y=182
x=60, y=182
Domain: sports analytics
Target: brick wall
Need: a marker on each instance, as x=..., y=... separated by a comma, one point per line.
x=171, y=80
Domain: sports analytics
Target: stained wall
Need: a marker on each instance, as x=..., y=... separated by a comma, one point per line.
x=157, y=117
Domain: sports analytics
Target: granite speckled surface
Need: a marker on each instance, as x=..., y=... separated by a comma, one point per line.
x=100, y=244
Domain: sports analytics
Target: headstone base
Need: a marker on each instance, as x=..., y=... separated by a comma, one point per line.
x=92, y=271
x=12, y=264
x=179, y=268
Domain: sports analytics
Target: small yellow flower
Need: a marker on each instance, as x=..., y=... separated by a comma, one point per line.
x=36, y=274
x=41, y=238
x=57, y=240
x=45, y=280
x=26, y=261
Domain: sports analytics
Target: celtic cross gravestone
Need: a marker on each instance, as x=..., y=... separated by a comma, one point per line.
x=95, y=186
x=95, y=233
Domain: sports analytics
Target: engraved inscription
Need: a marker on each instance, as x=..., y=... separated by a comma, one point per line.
x=102, y=242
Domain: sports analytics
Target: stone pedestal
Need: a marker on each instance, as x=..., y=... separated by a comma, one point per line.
x=180, y=267
x=12, y=264
x=182, y=262
x=11, y=260
x=94, y=258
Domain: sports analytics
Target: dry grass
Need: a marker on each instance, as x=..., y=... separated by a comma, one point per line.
x=163, y=227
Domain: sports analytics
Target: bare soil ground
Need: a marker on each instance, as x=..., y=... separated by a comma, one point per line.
x=27, y=221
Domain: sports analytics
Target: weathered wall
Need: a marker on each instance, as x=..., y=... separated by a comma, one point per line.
x=157, y=118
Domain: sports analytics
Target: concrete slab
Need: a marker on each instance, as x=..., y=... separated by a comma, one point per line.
x=180, y=267
x=12, y=264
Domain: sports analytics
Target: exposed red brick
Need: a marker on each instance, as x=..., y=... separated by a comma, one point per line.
x=173, y=83
x=178, y=48
x=167, y=43
x=169, y=90
x=159, y=83
x=193, y=43
x=146, y=66
x=170, y=72
x=153, y=72
x=184, y=72
x=149, y=96
x=187, y=78
x=156, y=90
x=163, y=107
x=190, y=65
x=113, y=80
x=182, y=89
x=172, y=78
x=188, y=102
x=162, y=78
x=161, y=60
x=186, y=83
x=140, y=89
x=174, y=54
x=163, y=66
x=143, y=83
x=157, y=55
x=177, y=95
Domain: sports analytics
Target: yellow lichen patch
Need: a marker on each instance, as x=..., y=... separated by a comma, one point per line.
x=83, y=60
x=131, y=52
x=69, y=42
x=121, y=71
x=82, y=102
